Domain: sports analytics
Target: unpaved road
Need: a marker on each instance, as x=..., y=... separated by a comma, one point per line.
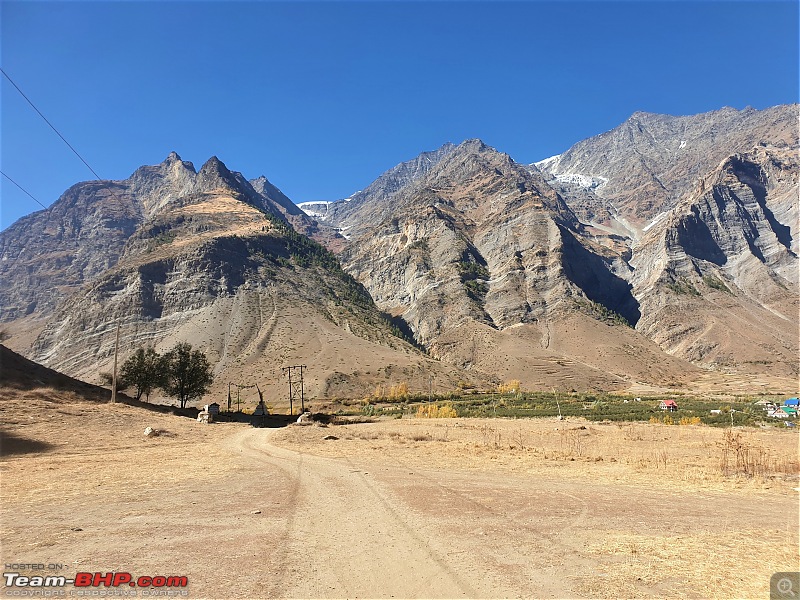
x=241, y=515
x=385, y=529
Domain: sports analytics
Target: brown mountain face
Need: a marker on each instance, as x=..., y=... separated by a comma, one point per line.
x=49, y=254
x=718, y=275
x=695, y=245
x=212, y=261
x=706, y=206
x=622, y=179
x=492, y=272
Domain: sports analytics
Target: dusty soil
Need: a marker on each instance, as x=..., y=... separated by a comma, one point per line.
x=404, y=508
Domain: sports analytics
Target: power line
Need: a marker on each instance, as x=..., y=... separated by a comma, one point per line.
x=51, y=126
x=24, y=190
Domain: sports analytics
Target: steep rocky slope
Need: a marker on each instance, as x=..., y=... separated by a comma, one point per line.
x=491, y=271
x=718, y=275
x=686, y=227
x=704, y=210
x=624, y=178
x=370, y=205
x=211, y=259
x=48, y=254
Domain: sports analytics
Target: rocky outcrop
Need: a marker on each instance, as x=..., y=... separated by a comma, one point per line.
x=644, y=166
x=370, y=205
x=703, y=209
x=718, y=275
x=47, y=255
x=487, y=265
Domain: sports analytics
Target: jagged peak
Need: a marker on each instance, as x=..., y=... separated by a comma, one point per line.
x=264, y=186
x=173, y=159
x=214, y=164
x=474, y=144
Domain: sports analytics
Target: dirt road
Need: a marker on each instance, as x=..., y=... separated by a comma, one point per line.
x=385, y=529
x=382, y=530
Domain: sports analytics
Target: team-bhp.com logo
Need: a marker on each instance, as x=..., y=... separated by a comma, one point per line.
x=96, y=580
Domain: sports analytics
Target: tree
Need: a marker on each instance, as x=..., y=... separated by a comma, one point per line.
x=188, y=374
x=144, y=370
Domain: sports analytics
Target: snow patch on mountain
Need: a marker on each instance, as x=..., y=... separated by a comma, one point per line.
x=585, y=181
x=315, y=208
x=544, y=165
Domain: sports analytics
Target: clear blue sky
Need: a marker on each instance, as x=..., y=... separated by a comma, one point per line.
x=323, y=97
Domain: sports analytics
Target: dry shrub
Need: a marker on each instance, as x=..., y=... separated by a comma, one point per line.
x=739, y=457
x=690, y=421
x=434, y=411
x=571, y=442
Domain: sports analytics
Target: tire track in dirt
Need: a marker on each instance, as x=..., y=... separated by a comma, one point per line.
x=516, y=531
x=345, y=537
x=400, y=520
x=512, y=517
x=245, y=444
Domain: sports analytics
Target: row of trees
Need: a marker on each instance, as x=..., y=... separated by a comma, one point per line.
x=181, y=373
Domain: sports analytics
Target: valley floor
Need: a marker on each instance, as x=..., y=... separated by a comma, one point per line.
x=405, y=508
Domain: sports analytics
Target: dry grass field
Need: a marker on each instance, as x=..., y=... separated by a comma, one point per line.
x=399, y=508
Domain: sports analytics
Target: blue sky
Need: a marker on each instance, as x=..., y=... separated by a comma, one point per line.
x=323, y=97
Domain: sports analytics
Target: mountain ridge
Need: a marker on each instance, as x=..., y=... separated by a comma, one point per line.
x=499, y=270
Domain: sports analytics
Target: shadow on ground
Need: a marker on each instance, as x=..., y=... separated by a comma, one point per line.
x=11, y=445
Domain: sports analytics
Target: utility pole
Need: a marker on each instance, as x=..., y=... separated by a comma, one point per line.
x=291, y=395
x=296, y=390
x=114, y=376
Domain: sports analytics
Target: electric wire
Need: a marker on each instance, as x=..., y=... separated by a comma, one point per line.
x=24, y=190
x=58, y=133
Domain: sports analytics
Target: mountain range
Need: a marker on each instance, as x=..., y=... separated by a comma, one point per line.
x=651, y=255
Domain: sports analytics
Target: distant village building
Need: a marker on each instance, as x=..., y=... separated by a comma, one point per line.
x=669, y=405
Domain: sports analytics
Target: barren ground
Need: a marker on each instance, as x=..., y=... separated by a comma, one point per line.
x=403, y=508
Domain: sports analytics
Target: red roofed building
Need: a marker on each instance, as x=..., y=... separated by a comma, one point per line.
x=669, y=405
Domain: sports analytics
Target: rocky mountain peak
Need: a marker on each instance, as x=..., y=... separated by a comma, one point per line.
x=214, y=166
x=477, y=147
x=475, y=161
x=474, y=145
x=214, y=175
x=624, y=178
